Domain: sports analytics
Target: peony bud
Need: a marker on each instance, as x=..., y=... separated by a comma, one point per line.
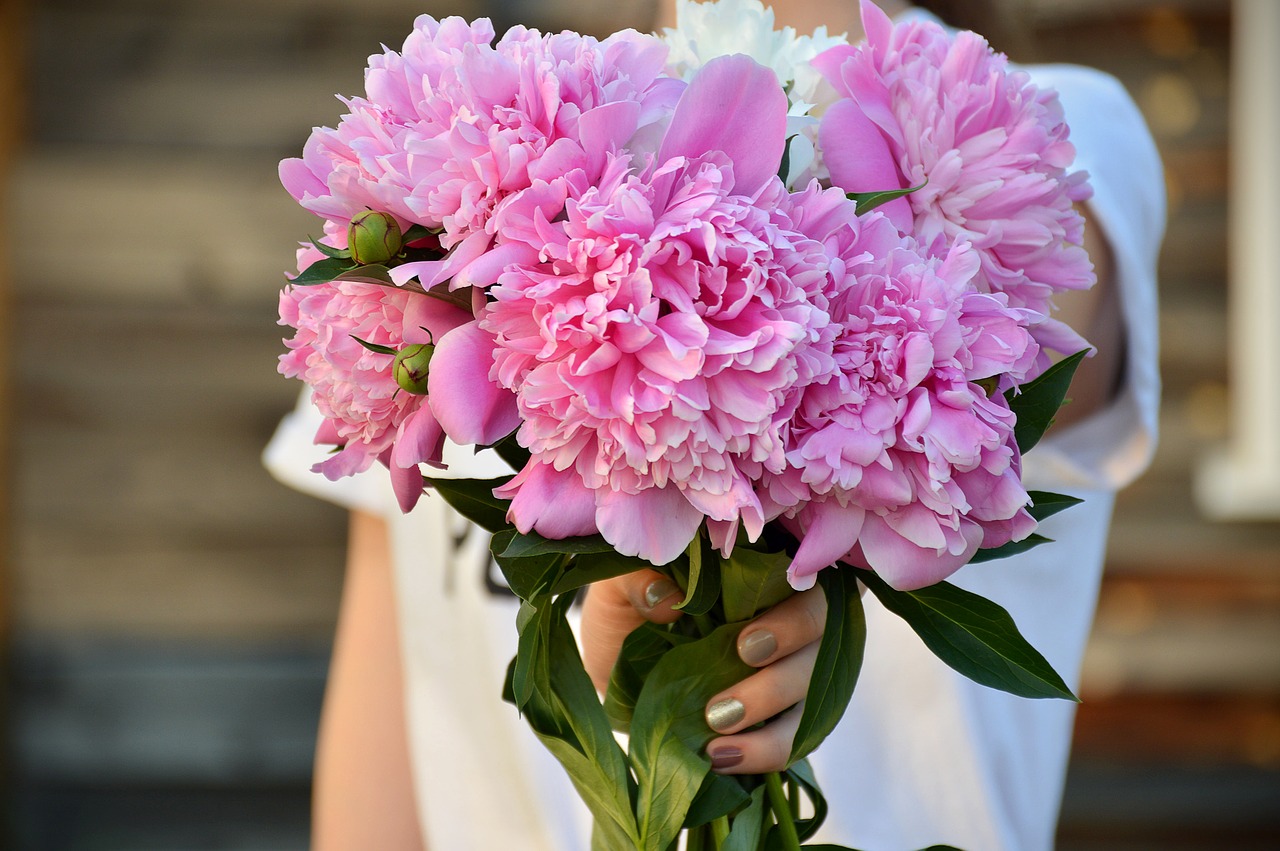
x=374, y=238
x=410, y=367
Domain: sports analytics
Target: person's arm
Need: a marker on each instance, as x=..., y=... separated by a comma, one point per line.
x=1095, y=313
x=363, y=790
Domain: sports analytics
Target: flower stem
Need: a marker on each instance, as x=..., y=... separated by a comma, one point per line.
x=720, y=831
x=782, y=811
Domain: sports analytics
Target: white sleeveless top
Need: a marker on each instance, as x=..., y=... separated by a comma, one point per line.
x=923, y=756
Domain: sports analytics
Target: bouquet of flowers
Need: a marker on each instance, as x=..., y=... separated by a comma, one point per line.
x=755, y=321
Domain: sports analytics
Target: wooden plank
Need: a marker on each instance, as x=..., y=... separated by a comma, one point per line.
x=12, y=56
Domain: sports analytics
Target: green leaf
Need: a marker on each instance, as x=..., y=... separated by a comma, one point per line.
x=373, y=273
x=322, y=272
x=785, y=166
x=752, y=581
x=1044, y=504
x=974, y=636
x=572, y=725
x=374, y=347
x=1036, y=403
x=460, y=298
x=748, y=825
x=528, y=578
x=512, y=452
x=669, y=731
x=641, y=651
x=720, y=795
x=835, y=671
x=533, y=664
x=330, y=251
x=474, y=500
x=416, y=232
x=801, y=773
x=587, y=568
x=533, y=544
x=1012, y=548
x=868, y=201
x=704, y=582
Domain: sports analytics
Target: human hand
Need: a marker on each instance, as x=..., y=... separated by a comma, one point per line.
x=781, y=643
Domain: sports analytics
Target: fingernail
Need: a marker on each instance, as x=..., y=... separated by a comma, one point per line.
x=723, y=714
x=725, y=757
x=659, y=590
x=755, y=647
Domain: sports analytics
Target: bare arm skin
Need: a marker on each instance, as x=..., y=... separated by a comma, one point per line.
x=363, y=790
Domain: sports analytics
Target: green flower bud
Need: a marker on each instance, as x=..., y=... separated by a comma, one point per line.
x=410, y=367
x=374, y=238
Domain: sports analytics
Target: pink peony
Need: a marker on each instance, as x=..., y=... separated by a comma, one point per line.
x=452, y=127
x=652, y=324
x=923, y=104
x=897, y=460
x=367, y=416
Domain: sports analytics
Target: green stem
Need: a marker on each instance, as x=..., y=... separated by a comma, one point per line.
x=720, y=831
x=782, y=811
x=697, y=839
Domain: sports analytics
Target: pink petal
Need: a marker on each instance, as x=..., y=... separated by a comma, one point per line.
x=486, y=268
x=655, y=524
x=300, y=181
x=419, y=439
x=467, y=404
x=876, y=24
x=830, y=532
x=606, y=129
x=906, y=566
x=736, y=106
x=828, y=62
x=723, y=535
x=436, y=316
x=553, y=503
x=407, y=484
x=432, y=272
x=858, y=156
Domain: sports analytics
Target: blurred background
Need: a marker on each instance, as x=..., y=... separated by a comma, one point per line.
x=166, y=608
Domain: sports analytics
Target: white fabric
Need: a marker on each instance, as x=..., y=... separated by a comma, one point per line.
x=924, y=756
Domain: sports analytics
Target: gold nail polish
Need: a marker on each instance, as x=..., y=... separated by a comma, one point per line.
x=724, y=714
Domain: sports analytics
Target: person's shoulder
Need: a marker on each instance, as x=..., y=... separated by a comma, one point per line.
x=1087, y=94
x=1110, y=134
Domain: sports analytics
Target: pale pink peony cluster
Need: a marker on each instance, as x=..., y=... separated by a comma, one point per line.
x=674, y=336
x=453, y=126
x=367, y=415
x=897, y=459
x=925, y=106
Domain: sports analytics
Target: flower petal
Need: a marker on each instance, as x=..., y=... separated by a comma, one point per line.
x=858, y=157
x=830, y=532
x=467, y=404
x=906, y=566
x=553, y=503
x=735, y=106
x=655, y=524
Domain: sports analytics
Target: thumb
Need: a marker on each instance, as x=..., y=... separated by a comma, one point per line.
x=614, y=608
